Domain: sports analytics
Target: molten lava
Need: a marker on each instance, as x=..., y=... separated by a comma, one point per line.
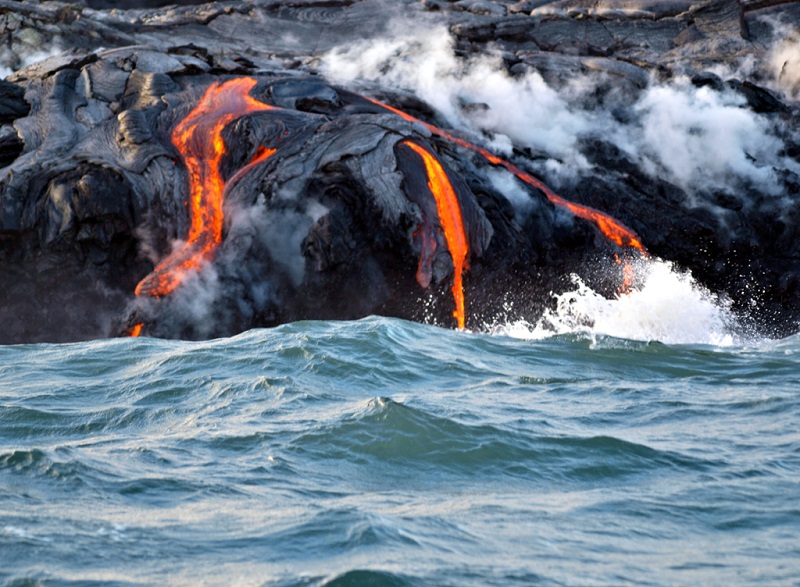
x=627, y=276
x=136, y=330
x=449, y=211
x=611, y=228
x=198, y=139
x=427, y=245
x=262, y=154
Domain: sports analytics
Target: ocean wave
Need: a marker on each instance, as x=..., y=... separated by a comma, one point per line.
x=325, y=452
x=395, y=436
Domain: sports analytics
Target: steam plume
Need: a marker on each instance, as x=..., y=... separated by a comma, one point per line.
x=700, y=139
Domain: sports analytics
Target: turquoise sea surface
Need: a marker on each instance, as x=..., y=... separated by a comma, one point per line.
x=382, y=452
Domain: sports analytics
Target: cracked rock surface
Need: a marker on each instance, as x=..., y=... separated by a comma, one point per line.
x=337, y=223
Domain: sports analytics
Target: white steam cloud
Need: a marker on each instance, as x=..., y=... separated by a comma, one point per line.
x=784, y=62
x=280, y=230
x=700, y=137
x=506, y=184
x=697, y=138
x=260, y=242
x=196, y=297
x=11, y=61
x=523, y=109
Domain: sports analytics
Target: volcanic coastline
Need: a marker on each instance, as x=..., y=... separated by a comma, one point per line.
x=196, y=170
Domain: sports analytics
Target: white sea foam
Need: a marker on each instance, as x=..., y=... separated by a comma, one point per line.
x=666, y=305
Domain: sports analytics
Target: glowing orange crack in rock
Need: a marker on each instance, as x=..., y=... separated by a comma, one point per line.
x=198, y=139
x=610, y=227
x=449, y=211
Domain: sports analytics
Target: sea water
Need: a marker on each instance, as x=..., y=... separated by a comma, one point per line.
x=634, y=441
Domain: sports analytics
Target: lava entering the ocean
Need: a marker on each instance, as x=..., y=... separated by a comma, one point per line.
x=627, y=275
x=451, y=221
x=198, y=139
x=614, y=230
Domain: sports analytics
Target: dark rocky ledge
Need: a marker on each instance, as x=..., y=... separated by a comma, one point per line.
x=92, y=190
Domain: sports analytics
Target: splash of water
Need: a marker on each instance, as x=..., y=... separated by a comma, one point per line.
x=667, y=306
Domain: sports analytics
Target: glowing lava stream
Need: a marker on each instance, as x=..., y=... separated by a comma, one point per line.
x=452, y=223
x=627, y=275
x=198, y=139
x=611, y=228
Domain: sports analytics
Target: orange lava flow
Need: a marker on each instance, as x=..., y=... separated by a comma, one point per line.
x=262, y=154
x=452, y=223
x=136, y=330
x=627, y=276
x=198, y=139
x=611, y=228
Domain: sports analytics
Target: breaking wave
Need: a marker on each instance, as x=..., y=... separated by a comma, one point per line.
x=668, y=306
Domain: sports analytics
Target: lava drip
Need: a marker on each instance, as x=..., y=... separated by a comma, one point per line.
x=198, y=139
x=614, y=230
x=452, y=223
x=136, y=330
x=627, y=275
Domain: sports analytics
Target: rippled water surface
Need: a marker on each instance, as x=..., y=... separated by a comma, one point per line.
x=381, y=452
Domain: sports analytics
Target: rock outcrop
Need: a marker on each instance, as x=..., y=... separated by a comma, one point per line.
x=328, y=214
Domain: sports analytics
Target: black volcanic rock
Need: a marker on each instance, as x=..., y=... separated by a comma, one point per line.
x=334, y=224
x=12, y=102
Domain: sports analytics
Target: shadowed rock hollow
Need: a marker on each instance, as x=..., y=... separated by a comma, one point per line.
x=329, y=213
